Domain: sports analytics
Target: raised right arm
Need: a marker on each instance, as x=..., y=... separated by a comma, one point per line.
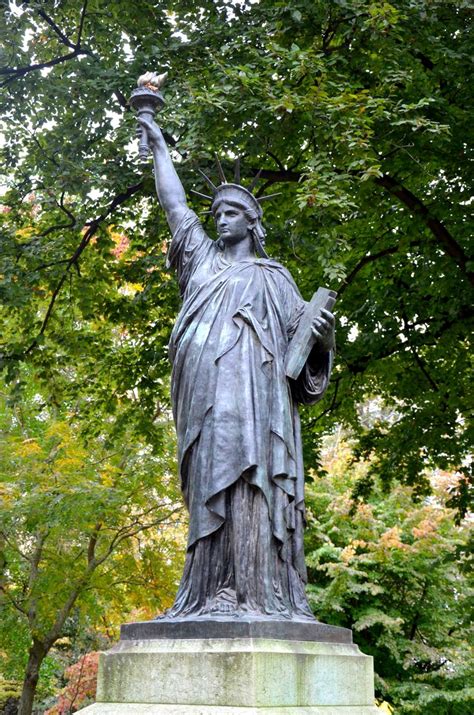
x=168, y=185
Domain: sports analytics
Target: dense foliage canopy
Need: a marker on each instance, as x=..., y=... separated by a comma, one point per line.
x=357, y=111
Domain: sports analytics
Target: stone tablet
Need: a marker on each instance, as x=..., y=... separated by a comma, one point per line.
x=303, y=340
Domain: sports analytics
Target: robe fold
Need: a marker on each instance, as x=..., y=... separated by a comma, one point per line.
x=239, y=442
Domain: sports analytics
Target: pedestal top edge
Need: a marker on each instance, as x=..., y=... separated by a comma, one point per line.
x=230, y=646
x=210, y=628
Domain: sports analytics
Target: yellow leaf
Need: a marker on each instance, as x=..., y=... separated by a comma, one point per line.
x=28, y=448
x=25, y=232
x=108, y=475
x=59, y=429
x=68, y=464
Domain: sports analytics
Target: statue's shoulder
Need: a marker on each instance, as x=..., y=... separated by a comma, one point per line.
x=188, y=219
x=277, y=269
x=271, y=263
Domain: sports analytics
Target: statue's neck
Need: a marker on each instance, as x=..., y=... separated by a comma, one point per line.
x=239, y=251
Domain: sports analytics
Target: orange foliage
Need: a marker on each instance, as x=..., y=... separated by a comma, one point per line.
x=82, y=684
x=390, y=539
x=426, y=527
x=122, y=243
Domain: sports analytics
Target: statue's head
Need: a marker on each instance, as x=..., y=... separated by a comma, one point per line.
x=237, y=197
x=240, y=198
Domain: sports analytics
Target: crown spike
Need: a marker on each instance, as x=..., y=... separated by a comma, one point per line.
x=203, y=196
x=220, y=170
x=268, y=196
x=237, y=171
x=208, y=181
x=254, y=181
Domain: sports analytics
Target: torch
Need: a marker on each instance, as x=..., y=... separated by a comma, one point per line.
x=146, y=100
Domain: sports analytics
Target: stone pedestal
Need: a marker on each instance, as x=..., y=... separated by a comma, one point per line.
x=234, y=676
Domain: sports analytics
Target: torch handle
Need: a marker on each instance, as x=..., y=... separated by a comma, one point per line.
x=146, y=103
x=143, y=145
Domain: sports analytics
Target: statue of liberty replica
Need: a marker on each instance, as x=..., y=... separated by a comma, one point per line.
x=239, y=442
x=246, y=349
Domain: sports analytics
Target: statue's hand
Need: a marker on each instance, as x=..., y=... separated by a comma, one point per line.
x=153, y=131
x=323, y=331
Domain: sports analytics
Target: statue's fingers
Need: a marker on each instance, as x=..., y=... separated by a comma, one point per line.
x=322, y=325
x=144, y=122
x=328, y=315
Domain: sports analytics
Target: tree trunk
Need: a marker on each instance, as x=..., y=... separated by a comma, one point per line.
x=35, y=658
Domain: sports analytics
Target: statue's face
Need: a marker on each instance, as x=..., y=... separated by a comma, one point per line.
x=232, y=224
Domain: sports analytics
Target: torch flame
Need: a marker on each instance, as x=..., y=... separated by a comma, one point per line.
x=152, y=80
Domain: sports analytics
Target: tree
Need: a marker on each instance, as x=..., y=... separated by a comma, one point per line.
x=358, y=111
x=398, y=573
x=87, y=534
x=345, y=107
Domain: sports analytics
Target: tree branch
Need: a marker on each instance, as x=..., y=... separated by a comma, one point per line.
x=88, y=235
x=447, y=241
x=78, y=685
x=34, y=571
x=76, y=49
x=92, y=565
x=416, y=619
x=421, y=364
x=369, y=258
x=276, y=160
x=43, y=151
x=450, y=246
x=64, y=39
x=132, y=530
x=81, y=23
x=93, y=542
x=13, y=546
x=275, y=175
x=35, y=558
x=332, y=406
x=68, y=213
x=11, y=600
x=16, y=73
x=57, y=227
x=360, y=364
x=424, y=59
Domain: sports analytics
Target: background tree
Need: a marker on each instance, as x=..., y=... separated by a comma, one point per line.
x=358, y=111
x=81, y=686
x=88, y=535
x=398, y=573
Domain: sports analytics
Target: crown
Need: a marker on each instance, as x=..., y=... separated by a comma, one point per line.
x=233, y=191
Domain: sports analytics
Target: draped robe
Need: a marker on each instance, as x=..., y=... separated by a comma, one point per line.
x=239, y=442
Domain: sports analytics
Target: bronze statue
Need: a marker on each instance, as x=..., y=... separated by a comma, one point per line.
x=239, y=442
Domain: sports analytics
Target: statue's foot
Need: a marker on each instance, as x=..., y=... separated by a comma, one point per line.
x=222, y=607
x=225, y=602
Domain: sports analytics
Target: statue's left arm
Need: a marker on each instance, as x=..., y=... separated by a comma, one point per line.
x=313, y=380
